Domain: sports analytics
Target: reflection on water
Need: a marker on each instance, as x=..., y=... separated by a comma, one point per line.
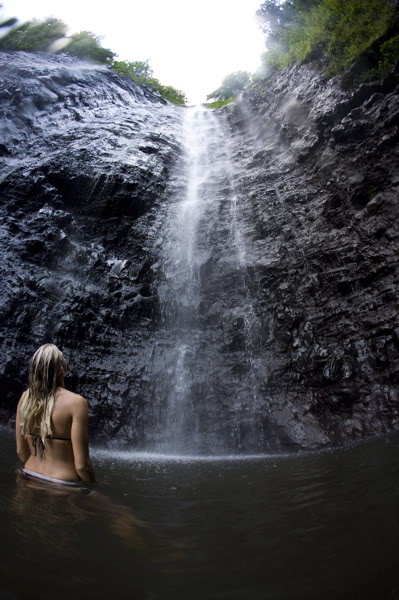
x=41, y=514
x=290, y=528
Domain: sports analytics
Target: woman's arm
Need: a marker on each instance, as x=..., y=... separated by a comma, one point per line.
x=23, y=450
x=80, y=440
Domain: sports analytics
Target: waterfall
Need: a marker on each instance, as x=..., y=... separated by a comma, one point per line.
x=199, y=373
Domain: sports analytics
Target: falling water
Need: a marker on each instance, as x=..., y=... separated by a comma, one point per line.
x=203, y=253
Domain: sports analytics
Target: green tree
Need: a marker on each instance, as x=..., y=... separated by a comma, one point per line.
x=340, y=30
x=389, y=51
x=141, y=72
x=34, y=35
x=87, y=45
x=136, y=69
x=173, y=95
x=276, y=17
x=232, y=85
x=41, y=35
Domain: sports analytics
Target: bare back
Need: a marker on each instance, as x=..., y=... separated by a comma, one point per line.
x=66, y=453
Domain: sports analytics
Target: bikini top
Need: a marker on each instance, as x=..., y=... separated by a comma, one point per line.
x=37, y=441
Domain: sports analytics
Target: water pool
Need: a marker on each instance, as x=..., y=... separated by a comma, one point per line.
x=281, y=528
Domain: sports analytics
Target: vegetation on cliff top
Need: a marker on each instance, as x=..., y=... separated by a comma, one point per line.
x=231, y=86
x=141, y=73
x=339, y=30
x=50, y=35
x=220, y=103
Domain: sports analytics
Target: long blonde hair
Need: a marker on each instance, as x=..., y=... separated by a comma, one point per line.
x=46, y=374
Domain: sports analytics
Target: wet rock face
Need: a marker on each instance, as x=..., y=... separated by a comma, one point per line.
x=306, y=325
x=318, y=177
x=86, y=161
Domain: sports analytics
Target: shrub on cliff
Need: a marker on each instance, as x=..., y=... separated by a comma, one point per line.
x=172, y=94
x=34, y=35
x=389, y=51
x=232, y=85
x=135, y=69
x=340, y=30
x=87, y=45
x=141, y=72
x=49, y=35
x=220, y=103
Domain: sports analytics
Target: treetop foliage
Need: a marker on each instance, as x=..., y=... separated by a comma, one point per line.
x=338, y=30
x=34, y=36
x=220, y=103
x=136, y=68
x=232, y=85
x=142, y=73
x=87, y=45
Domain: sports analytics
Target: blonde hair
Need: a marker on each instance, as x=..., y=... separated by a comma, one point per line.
x=45, y=376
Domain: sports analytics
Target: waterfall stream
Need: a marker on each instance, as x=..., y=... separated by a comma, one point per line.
x=204, y=252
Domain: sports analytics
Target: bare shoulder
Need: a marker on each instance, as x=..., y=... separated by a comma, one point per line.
x=74, y=401
x=23, y=397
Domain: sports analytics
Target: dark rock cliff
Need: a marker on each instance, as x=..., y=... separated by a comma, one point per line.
x=88, y=160
x=318, y=163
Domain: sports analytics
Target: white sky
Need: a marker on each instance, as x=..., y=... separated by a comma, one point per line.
x=191, y=44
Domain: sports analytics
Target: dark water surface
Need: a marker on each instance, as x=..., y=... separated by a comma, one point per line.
x=300, y=527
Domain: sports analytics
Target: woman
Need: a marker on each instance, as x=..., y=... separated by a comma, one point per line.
x=52, y=424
